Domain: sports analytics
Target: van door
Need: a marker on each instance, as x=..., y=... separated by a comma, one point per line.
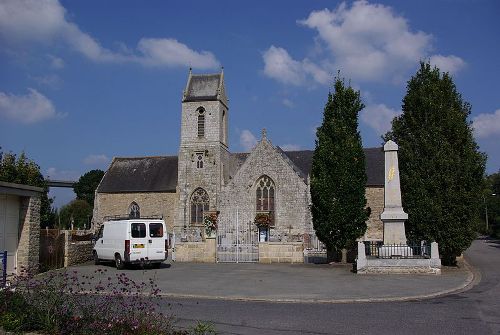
x=99, y=244
x=138, y=241
x=156, y=241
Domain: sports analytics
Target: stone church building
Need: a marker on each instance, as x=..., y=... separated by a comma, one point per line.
x=258, y=200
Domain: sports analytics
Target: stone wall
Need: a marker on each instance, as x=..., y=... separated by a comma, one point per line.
x=199, y=252
x=77, y=252
x=29, y=241
x=280, y=252
x=374, y=200
x=150, y=203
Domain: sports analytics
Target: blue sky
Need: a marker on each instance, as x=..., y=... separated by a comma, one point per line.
x=84, y=81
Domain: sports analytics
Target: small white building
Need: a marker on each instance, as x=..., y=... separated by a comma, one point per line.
x=20, y=226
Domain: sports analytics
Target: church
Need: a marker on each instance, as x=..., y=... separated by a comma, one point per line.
x=221, y=206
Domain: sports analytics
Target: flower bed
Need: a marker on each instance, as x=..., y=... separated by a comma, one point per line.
x=68, y=303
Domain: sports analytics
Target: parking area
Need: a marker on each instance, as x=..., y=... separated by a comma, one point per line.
x=282, y=282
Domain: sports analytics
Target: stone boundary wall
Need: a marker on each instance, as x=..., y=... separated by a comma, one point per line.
x=199, y=252
x=76, y=252
x=280, y=252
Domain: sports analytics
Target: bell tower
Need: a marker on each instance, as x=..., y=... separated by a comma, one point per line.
x=203, y=153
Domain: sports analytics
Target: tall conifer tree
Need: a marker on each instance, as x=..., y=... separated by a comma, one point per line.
x=338, y=176
x=441, y=168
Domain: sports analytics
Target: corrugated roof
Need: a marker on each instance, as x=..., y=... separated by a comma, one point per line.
x=203, y=87
x=140, y=174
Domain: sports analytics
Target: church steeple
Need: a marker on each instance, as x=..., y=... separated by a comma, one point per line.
x=203, y=154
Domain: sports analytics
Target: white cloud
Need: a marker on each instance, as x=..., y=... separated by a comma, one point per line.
x=279, y=65
x=451, y=64
x=56, y=63
x=366, y=42
x=30, y=108
x=170, y=52
x=486, y=124
x=51, y=80
x=247, y=140
x=290, y=147
x=288, y=103
x=379, y=117
x=99, y=160
x=44, y=21
x=55, y=174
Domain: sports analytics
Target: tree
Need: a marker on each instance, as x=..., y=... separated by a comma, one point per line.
x=78, y=212
x=87, y=184
x=22, y=170
x=338, y=177
x=441, y=168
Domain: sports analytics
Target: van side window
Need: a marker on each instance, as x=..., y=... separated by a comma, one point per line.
x=138, y=230
x=156, y=230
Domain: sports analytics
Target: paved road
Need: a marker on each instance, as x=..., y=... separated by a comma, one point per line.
x=476, y=311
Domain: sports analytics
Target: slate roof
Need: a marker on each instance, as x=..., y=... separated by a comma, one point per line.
x=203, y=87
x=374, y=163
x=159, y=174
x=140, y=174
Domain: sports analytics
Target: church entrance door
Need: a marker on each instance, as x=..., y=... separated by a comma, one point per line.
x=237, y=242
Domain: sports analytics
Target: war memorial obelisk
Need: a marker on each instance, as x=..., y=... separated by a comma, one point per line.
x=394, y=255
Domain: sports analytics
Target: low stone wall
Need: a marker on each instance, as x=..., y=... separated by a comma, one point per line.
x=76, y=252
x=200, y=252
x=281, y=252
x=398, y=265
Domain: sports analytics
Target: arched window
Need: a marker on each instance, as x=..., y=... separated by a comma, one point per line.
x=199, y=204
x=264, y=195
x=199, y=160
x=201, y=122
x=134, y=211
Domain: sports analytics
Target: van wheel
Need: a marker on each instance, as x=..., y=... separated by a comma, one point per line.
x=119, y=262
x=156, y=265
x=96, y=258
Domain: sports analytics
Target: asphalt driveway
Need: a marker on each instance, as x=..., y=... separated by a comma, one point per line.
x=284, y=282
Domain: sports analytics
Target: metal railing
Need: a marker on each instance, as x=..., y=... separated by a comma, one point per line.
x=377, y=249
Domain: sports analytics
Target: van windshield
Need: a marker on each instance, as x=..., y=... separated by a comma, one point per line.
x=138, y=230
x=156, y=230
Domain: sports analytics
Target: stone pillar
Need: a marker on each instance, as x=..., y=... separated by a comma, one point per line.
x=393, y=215
x=29, y=240
x=361, y=260
x=435, y=260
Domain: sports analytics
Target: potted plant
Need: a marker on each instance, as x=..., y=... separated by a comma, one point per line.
x=263, y=220
x=210, y=222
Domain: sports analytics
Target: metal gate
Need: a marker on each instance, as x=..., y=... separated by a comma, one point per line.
x=52, y=243
x=237, y=242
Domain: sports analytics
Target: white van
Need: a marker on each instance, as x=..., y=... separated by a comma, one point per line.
x=142, y=241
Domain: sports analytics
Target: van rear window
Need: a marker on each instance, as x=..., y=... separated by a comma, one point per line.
x=156, y=230
x=138, y=230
